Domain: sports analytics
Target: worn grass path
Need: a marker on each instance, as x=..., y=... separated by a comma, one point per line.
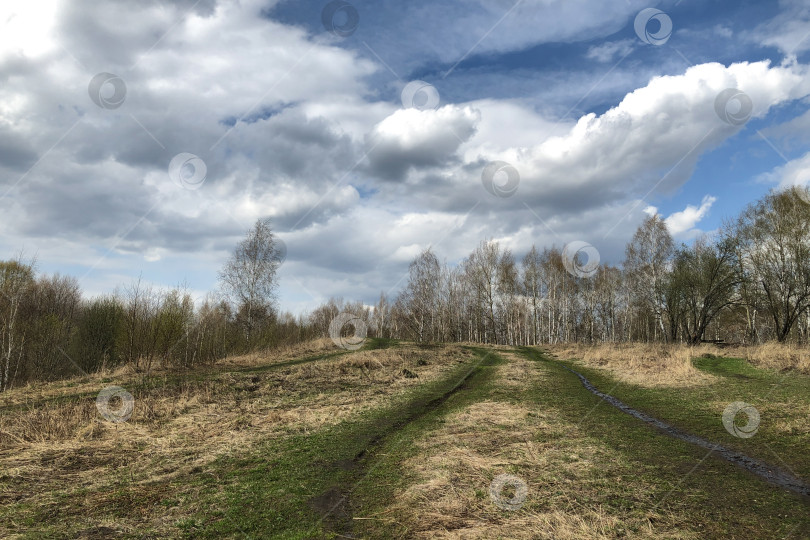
x=592, y=472
x=777, y=476
x=305, y=487
x=724, y=499
x=782, y=399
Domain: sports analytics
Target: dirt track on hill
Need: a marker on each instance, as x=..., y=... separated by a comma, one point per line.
x=334, y=504
x=771, y=474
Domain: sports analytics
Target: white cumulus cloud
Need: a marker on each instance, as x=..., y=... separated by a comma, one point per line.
x=683, y=223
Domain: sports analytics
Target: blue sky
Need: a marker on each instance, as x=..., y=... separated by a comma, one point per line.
x=307, y=125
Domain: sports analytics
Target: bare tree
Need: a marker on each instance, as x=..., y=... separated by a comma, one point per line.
x=534, y=286
x=140, y=329
x=607, y=285
x=558, y=282
x=774, y=235
x=249, y=278
x=420, y=298
x=381, y=317
x=508, y=304
x=16, y=281
x=749, y=293
x=646, y=262
x=481, y=272
x=704, y=277
x=51, y=314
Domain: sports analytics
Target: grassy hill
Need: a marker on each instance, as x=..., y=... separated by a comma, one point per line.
x=404, y=440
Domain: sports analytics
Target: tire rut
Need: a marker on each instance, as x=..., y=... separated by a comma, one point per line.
x=771, y=474
x=335, y=503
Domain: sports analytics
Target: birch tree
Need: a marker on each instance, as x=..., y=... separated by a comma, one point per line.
x=646, y=263
x=16, y=281
x=250, y=277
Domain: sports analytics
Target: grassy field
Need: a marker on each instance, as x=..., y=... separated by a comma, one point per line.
x=407, y=441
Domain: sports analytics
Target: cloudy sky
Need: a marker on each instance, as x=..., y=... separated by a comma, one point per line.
x=144, y=138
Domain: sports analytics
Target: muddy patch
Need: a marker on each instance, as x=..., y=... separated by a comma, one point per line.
x=333, y=507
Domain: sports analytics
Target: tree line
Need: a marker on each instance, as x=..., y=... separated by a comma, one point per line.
x=48, y=331
x=747, y=282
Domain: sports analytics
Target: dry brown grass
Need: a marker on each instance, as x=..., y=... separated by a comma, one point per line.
x=181, y=427
x=661, y=365
x=35, y=392
x=774, y=355
x=449, y=494
x=282, y=354
x=517, y=373
x=651, y=365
